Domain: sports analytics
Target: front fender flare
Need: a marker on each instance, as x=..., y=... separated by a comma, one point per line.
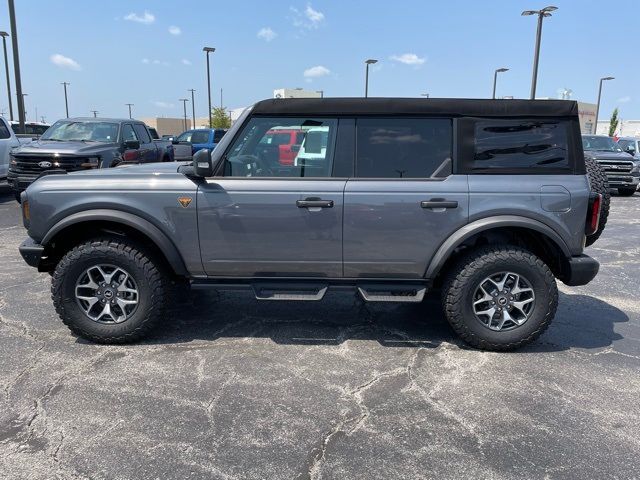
x=145, y=227
x=454, y=241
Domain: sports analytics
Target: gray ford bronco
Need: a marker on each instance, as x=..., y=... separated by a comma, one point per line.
x=487, y=201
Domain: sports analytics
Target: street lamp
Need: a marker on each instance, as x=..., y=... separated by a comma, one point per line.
x=368, y=62
x=595, y=128
x=426, y=95
x=184, y=105
x=193, y=107
x=24, y=107
x=16, y=64
x=66, y=103
x=129, y=105
x=209, y=50
x=95, y=113
x=495, y=78
x=545, y=12
x=4, y=36
x=321, y=92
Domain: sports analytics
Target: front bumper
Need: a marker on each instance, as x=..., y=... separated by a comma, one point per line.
x=580, y=270
x=623, y=180
x=20, y=182
x=32, y=252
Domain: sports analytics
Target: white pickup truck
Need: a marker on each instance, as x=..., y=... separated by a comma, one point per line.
x=8, y=141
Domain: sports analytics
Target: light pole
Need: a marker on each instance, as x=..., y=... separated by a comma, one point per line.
x=495, y=79
x=321, y=92
x=4, y=36
x=545, y=12
x=184, y=105
x=209, y=50
x=193, y=107
x=368, y=62
x=24, y=108
x=130, y=105
x=16, y=64
x=595, y=128
x=66, y=103
x=426, y=95
x=95, y=113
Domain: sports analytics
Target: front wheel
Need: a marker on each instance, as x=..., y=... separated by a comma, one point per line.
x=109, y=290
x=626, y=192
x=500, y=297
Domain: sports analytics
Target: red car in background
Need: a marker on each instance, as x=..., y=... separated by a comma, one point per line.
x=287, y=140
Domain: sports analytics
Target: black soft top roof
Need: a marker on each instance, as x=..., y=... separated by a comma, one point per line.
x=457, y=107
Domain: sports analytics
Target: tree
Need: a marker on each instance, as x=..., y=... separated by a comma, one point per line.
x=220, y=118
x=613, y=123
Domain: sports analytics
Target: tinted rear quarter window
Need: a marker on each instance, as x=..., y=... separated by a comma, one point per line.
x=402, y=147
x=4, y=131
x=142, y=133
x=200, y=137
x=512, y=146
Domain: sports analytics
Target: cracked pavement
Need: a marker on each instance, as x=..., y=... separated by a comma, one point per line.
x=233, y=388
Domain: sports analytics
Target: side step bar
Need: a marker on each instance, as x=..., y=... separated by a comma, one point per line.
x=392, y=293
x=292, y=291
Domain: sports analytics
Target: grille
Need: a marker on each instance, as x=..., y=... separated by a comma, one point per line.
x=616, y=167
x=29, y=164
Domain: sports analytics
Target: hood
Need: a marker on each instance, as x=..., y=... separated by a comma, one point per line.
x=616, y=156
x=44, y=147
x=135, y=169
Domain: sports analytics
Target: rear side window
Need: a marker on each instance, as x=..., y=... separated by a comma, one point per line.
x=200, y=136
x=402, y=147
x=217, y=135
x=142, y=133
x=4, y=131
x=519, y=146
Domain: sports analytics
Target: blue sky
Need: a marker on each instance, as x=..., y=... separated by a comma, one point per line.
x=149, y=53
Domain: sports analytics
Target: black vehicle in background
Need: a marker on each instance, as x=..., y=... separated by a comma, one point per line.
x=622, y=170
x=77, y=144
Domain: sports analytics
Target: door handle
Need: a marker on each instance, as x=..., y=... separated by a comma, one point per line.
x=439, y=203
x=314, y=202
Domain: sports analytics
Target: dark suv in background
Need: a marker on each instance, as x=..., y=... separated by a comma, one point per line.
x=621, y=168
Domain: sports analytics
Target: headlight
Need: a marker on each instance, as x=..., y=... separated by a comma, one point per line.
x=636, y=167
x=92, y=162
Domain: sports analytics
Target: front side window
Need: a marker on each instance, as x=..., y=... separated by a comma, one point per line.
x=67, y=130
x=200, y=136
x=217, y=135
x=505, y=146
x=283, y=147
x=141, y=132
x=627, y=145
x=128, y=135
x=402, y=147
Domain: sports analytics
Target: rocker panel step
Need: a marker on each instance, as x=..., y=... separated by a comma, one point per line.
x=289, y=291
x=392, y=293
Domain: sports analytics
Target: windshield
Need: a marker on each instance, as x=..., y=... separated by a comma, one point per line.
x=601, y=144
x=627, y=145
x=69, y=131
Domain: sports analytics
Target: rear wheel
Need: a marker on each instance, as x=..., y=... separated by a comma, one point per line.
x=599, y=184
x=109, y=290
x=500, y=298
x=626, y=192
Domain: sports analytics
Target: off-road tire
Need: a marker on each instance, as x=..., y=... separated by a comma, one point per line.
x=599, y=184
x=626, y=192
x=464, y=277
x=151, y=279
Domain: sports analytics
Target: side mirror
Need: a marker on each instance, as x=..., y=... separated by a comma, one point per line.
x=202, y=165
x=631, y=150
x=132, y=144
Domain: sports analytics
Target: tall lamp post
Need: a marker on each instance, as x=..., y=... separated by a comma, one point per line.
x=4, y=36
x=24, y=107
x=545, y=12
x=129, y=105
x=209, y=50
x=66, y=103
x=595, y=127
x=495, y=79
x=184, y=106
x=193, y=107
x=368, y=62
x=16, y=64
x=95, y=113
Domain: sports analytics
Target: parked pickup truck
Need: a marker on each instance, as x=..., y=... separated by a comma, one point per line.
x=622, y=170
x=84, y=144
x=189, y=142
x=485, y=201
x=8, y=141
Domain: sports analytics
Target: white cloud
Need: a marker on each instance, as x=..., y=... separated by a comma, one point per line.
x=185, y=61
x=317, y=71
x=145, y=60
x=408, y=59
x=147, y=17
x=164, y=63
x=160, y=104
x=308, y=19
x=267, y=34
x=173, y=30
x=626, y=99
x=64, y=62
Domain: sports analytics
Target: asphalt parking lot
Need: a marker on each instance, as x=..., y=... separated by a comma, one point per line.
x=233, y=388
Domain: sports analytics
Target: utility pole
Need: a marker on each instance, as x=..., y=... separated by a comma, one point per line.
x=66, y=103
x=184, y=106
x=371, y=61
x=16, y=64
x=209, y=50
x=193, y=107
x=545, y=12
x=129, y=105
x=595, y=127
x=6, y=67
x=95, y=113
